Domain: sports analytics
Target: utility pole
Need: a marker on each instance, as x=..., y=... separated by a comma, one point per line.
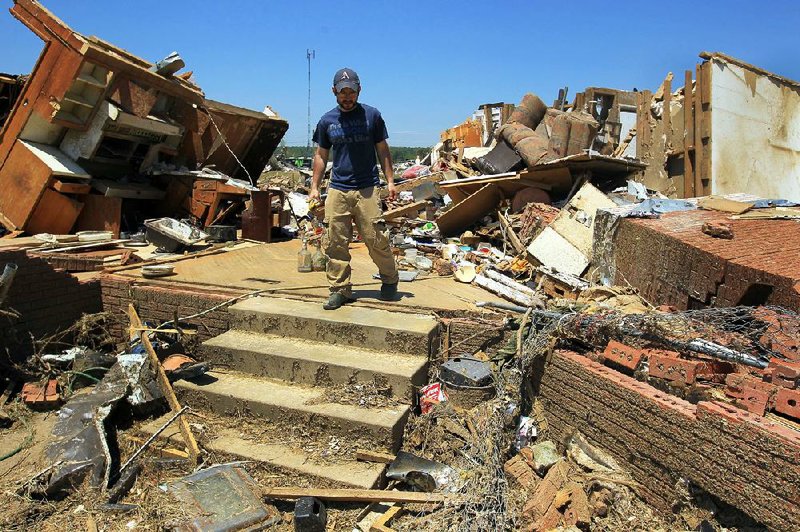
x=310, y=54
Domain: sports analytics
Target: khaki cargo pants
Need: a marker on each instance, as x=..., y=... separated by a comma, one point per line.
x=363, y=207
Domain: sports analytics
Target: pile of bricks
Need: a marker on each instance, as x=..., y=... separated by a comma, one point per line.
x=757, y=391
x=671, y=261
x=742, y=458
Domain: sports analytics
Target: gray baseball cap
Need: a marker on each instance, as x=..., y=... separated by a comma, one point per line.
x=346, y=78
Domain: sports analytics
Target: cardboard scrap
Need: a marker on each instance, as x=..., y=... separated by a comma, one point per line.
x=719, y=203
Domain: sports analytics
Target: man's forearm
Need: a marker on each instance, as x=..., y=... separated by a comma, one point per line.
x=318, y=168
x=385, y=156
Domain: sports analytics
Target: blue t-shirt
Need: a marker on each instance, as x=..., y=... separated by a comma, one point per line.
x=352, y=135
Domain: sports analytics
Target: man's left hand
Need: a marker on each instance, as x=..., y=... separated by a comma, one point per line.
x=392, y=192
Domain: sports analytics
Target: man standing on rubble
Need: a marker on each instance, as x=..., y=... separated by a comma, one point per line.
x=355, y=132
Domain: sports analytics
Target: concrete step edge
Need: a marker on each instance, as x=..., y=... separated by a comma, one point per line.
x=397, y=364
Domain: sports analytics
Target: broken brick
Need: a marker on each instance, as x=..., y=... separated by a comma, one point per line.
x=718, y=230
x=37, y=396
x=787, y=402
x=750, y=393
x=667, y=365
x=785, y=373
x=539, y=510
x=577, y=512
x=519, y=471
x=624, y=355
x=782, y=334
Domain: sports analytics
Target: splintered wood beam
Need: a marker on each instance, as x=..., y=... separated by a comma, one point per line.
x=698, y=135
x=516, y=243
x=688, y=137
x=666, y=112
x=359, y=495
x=164, y=384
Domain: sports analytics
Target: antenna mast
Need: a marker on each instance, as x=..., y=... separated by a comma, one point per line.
x=310, y=54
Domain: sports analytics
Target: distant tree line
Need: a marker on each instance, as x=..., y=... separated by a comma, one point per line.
x=399, y=153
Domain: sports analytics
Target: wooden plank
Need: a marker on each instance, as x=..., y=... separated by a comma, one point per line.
x=646, y=134
x=516, y=243
x=699, y=188
x=71, y=188
x=382, y=523
x=640, y=122
x=90, y=245
x=705, y=84
x=469, y=211
x=667, y=102
x=373, y=456
x=358, y=495
x=164, y=452
x=406, y=210
x=688, y=137
x=164, y=384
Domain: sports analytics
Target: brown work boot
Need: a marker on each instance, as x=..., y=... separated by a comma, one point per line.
x=336, y=300
x=388, y=292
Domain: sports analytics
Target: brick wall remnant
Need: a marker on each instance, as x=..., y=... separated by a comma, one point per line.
x=743, y=459
x=672, y=262
x=47, y=300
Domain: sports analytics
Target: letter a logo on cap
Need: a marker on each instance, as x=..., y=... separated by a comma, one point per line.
x=346, y=78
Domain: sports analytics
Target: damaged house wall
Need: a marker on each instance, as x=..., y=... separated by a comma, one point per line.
x=94, y=121
x=693, y=139
x=759, y=110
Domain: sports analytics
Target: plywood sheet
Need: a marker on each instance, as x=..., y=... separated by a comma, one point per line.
x=55, y=213
x=463, y=214
x=23, y=179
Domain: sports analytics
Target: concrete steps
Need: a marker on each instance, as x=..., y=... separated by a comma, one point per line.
x=368, y=328
x=306, y=362
x=237, y=394
x=275, y=367
x=289, y=460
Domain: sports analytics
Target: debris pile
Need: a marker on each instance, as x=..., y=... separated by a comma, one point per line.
x=492, y=414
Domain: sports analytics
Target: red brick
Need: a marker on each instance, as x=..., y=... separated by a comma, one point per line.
x=748, y=392
x=667, y=365
x=737, y=381
x=714, y=370
x=622, y=354
x=787, y=402
x=785, y=373
x=37, y=396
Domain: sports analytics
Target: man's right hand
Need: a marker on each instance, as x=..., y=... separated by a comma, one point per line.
x=313, y=195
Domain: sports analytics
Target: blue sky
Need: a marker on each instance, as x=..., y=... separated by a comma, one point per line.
x=425, y=65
